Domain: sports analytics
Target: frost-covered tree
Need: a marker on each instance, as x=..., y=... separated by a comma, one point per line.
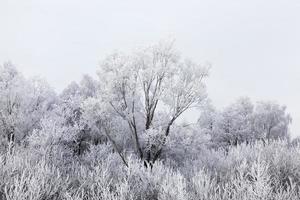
x=97, y=113
x=23, y=102
x=208, y=118
x=70, y=108
x=271, y=120
x=236, y=121
x=243, y=121
x=136, y=87
x=232, y=125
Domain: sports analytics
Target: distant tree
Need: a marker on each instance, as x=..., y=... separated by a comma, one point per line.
x=70, y=108
x=22, y=103
x=271, y=120
x=208, y=118
x=236, y=121
x=243, y=121
x=88, y=86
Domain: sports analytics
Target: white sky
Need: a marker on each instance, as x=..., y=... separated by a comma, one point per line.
x=253, y=45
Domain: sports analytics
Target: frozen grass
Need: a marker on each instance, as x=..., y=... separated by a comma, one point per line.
x=245, y=172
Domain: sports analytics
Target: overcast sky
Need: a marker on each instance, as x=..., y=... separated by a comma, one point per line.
x=253, y=46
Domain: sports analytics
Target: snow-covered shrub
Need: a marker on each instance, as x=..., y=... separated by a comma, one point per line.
x=173, y=186
x=185, y=144
x=203, y=186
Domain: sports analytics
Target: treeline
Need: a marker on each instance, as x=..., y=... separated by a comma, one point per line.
x=118, y=136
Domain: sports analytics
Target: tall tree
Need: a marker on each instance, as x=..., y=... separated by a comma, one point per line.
x=136, y=87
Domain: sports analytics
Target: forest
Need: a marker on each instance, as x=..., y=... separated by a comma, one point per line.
x=120, y=136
